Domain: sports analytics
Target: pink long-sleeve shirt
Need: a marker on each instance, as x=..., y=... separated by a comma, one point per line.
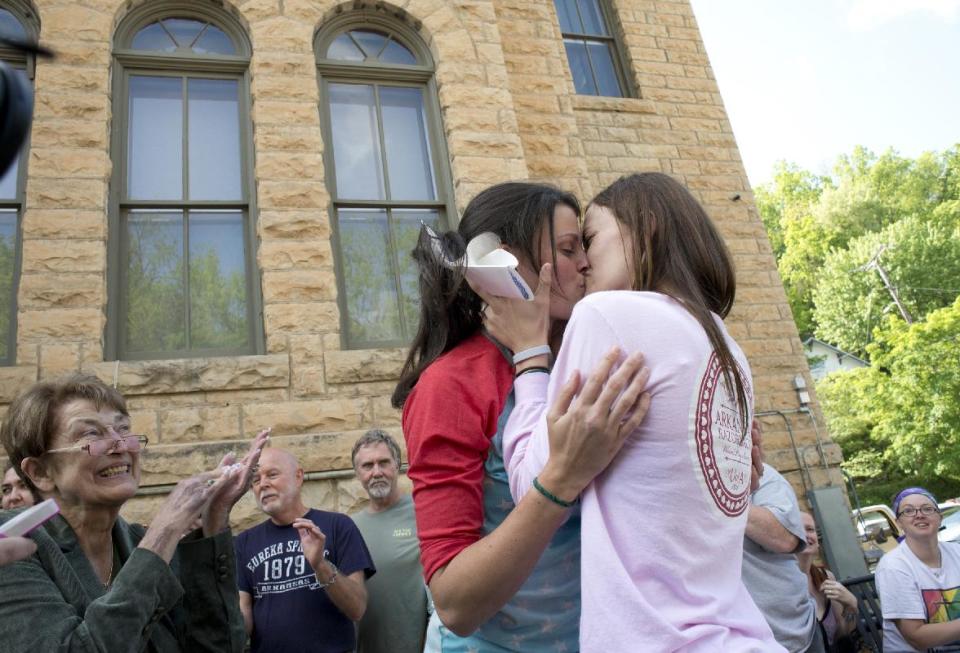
x=662, y=526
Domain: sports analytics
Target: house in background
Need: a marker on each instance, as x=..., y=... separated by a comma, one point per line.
x=825, y=359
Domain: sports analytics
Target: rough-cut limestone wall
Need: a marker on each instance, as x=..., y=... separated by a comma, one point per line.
x=509, y=112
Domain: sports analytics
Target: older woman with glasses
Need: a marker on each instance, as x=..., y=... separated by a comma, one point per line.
x=95, y=582
x=919, y=581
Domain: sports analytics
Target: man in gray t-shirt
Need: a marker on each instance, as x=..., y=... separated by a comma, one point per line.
x=396, y=616
x=770, y=569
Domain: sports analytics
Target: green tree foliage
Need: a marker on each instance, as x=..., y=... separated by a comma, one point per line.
x=157, y=294
x=921, y=258
x=808, y=216
x=900, y=417
x=897, y=421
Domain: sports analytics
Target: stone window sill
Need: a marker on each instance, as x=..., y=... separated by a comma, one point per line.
x=150, y=377
x=614, y=104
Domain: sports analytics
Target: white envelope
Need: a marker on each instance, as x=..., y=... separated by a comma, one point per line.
x=488, y=266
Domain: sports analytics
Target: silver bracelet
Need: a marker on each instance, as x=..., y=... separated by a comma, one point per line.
x=333, y=579
x=533, y=352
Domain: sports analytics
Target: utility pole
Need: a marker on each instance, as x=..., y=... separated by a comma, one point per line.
x=874, y=264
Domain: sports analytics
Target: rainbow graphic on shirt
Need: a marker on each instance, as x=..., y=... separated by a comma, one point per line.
x=942, y=605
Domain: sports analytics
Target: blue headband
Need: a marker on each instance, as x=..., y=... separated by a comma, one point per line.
x=905, y=493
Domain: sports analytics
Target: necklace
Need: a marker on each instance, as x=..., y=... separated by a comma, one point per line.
x=109, y=582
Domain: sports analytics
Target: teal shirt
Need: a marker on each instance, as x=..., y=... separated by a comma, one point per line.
x=544, y=615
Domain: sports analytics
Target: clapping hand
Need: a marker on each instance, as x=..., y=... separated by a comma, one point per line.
x=216, y=514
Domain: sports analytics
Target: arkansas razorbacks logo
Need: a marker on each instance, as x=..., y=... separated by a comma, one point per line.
x=722, y=449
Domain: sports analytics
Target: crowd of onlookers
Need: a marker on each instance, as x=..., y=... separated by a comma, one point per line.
x=314, y=580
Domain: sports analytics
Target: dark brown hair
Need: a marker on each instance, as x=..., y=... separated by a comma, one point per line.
x=449, y=309
x=28, y=427
x=678, y=251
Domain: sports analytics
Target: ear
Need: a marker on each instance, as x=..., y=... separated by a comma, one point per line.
x=38, y=473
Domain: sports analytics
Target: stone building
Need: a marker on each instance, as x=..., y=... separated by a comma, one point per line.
x=214, y=205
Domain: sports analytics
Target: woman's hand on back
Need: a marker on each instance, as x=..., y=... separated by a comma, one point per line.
x=586, y=430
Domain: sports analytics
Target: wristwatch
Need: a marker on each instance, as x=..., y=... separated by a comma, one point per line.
x=333, y=579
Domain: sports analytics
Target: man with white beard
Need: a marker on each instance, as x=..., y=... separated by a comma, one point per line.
x=396, y=616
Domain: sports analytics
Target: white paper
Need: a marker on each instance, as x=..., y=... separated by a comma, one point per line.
x=29, y=519
x=488, y=266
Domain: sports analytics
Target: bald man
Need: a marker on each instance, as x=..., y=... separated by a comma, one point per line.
x=302, y=571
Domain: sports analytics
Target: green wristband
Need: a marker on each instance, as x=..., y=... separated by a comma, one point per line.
x=550, y=496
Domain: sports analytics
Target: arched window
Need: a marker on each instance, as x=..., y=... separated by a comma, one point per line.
x=18, y=23
x=387, y=170
x=592, y=51
x=183, y=279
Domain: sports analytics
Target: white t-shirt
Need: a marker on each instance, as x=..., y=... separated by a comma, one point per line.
x=909, y=589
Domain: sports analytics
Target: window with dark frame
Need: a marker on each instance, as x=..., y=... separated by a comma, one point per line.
x=184, y=281
x=592, y=51
x=386, y=171
x=16, y=23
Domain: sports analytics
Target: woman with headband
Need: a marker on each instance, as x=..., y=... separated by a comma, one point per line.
x=919, y=581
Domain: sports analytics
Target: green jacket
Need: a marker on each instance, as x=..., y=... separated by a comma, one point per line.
x=54, y=601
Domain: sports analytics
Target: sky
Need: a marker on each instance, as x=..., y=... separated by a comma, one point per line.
x=807, y=80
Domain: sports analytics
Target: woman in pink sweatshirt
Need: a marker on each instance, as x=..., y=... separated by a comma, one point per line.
x=662, y=526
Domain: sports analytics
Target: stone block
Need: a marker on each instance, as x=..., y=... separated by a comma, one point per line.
x=14, y=380
x=286, y=254
x=62, y=291
x=74, y=163
x=72, y=52
x=64, y=323
x=55, y=256
x=199, y=423
x=294, y=225
x=72, y=106
x=279, y=165
x=59, y=359
x=303, y=112
x=64, y=224
x=74, y=21
x=292, y=194
x=359, y=365
x=68, y=193
x=284, y=136
x=317, y=317
x=296, y=417
x=197, y=374
x=298, y=286
x=72, y=78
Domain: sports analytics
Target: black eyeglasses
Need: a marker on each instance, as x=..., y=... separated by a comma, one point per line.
x=926, y=511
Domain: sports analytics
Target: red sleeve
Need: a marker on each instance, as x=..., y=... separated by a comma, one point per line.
x=448, y=421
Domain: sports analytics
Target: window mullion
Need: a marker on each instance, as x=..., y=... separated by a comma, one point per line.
x=395, y=269
x=185, y=143
x=593, y=70
x=383, y=143
x=188, y=342
x=185, y=212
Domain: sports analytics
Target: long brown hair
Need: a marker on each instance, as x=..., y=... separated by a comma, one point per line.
x=678, y=251
x=449, y=310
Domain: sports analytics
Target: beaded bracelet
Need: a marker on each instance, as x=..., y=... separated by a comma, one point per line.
x=551, y=496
